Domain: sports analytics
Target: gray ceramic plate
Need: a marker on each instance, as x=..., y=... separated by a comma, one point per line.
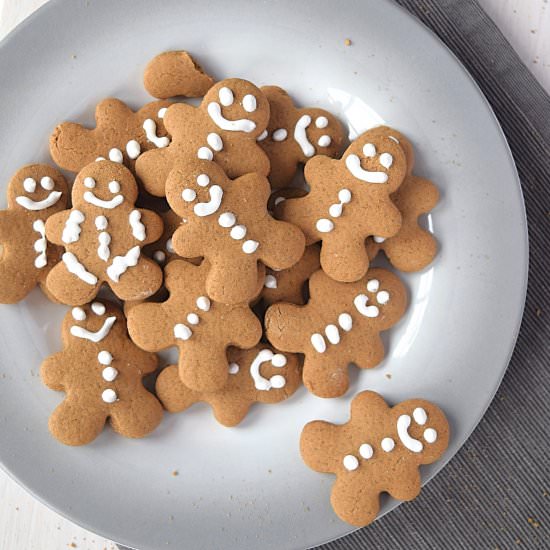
x=247, y=487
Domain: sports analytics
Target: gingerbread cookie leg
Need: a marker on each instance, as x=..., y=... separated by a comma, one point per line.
x=139, y=416
x=70, y=282
x=352, y=262
x=77, y=420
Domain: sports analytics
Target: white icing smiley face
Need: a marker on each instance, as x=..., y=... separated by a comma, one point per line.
x=81, y=314
x=37, y=195
x=91, y=198
x=382, y=160
x=370, y=307
x=235, y=106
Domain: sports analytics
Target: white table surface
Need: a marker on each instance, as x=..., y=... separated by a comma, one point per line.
x=26, y=524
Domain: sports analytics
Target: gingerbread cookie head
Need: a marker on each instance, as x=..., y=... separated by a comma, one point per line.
x=201, y=328
x=35, y=192
x=295, y=135
x=101, y=372
x=339, y=326
x=257, y=375
x=103, y=235
x=349, y=200
x=378, y=450
x=175, y=73
x=236, y=105
x=227, y=222
x=121, y=135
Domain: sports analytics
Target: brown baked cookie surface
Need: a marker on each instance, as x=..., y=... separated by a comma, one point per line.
x=103, y=234
x=35, y=192
x=257, y=375
x=379, y=450
x=121, y=135
x=201, y=328
x=101, y=371
x=340, y=325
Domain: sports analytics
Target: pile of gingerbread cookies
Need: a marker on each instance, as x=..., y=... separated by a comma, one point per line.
x=189, y=226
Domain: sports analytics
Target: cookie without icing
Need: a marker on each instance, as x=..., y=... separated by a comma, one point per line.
x=35, y=192
x=349, y=200
x=340, y=325
x=121, y=135
x=101, y=372
x=223, y=128
x=295, y=135
x=201, y=328
x=226, y=221
x=379, y=450
x=176, y=73
x=103, y=235
x=257, y=375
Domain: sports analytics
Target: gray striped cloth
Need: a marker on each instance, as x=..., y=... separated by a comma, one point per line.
x=495, y=493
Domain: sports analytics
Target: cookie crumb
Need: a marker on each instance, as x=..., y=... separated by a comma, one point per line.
x=71, y=545
x=175, y=473
x=347, y=42
x=388, y=376
x=269, y=471
x=533, y=522
x=73, y=56
x=538, y=312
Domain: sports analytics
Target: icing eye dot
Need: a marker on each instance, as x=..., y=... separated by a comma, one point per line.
x=387, y=444
x=386, y=160
x=115, y=155
x=321, y=122
x=203, y=180
x=162, y=112
x=226, y=96
x=89, y=182
x=193, y=319
x=324, y=141
x=278, y=360
x=78, y=314
x=109, y=396
x=203, y=303
x=188, y=195
x=262, y=136
x=280, y=134
x=366, y=451
x=98, y=308
x=104, y=358
x=373, y=285
x=383, y=297
x=47, y=183
x=350, y=463
x=29, y=185
x=234, y=368
x=249, y=103
x=430, y=435
x=420, y=416
x=159, y=256
x=277, y=381
x=369, y=150
x=114, y=186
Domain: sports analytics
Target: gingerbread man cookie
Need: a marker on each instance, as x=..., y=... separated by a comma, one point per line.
x=227, y=222
x=295, y=135
x=121, y=135
x=257, y=375
x=288, y=285
x=176, y=73
x=412, y=248
x=103, y=235
x=101, y=372
x=379, y=450
x=340, y=324
x=35, y=192
x=223, y=128
x=349, y=200
x=202, y=329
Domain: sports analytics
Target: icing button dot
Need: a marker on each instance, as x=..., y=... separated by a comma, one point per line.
x=115, y=155
x=89, y=182
x=109, y=396
x=366, y=451
x=227, y=219
x=109, y=374
x=277, y=381
x=193, y=319
x=104, y=358
x=159, y=256
x=238, y=232
x=233, y=368
x=205, y=153
x=188, y=195
x=250, y=246
x=350, y=463
x=203, y=303
x=203, y=180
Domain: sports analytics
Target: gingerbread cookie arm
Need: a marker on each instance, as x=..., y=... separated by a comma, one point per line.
x=149, y=327
x=148, y=362
x=154, y=225
x=52, y=372
x=283, y=325
x=404, y=491
x=55, y=225
x=319, y=446
x=244, y=157
x=142, y=279
x=138, y=415
x=344, y=261
x=244, y=329
x=153, y=167
x=203, y=368
x=187, y=240
x=6, y=223
x=72, y=146
x=77, y=420
x=175, y=397
x=70, y=287
x=356, y=507
x=285, y=243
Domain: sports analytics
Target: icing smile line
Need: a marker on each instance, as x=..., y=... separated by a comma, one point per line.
x=353, y=164
x=89, y=197
x=29, y=204
x=241, y=125
x=85, y=334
